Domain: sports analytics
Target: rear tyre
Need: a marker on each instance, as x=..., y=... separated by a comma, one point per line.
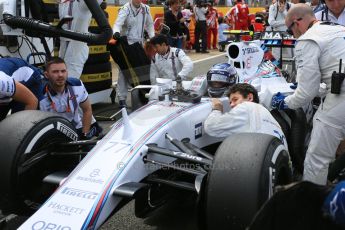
x=245, y=170
x=28, y=135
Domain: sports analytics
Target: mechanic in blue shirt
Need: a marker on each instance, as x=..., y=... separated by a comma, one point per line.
x=64, y=96
x=20, y=86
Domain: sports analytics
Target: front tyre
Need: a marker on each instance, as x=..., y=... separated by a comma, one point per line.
x=245, y=170
x=26, y=139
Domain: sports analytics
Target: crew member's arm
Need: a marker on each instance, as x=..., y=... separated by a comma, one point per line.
x=271, y=17
x=227, y=17
x=308, y=74
x=25, y=96
x=85, y=106
x=87, y=115
x=187, y=64
x=218, y=124
x=153, y=73
x=149, y=24
x=120, y=20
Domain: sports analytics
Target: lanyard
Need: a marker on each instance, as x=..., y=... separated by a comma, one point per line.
x=141, y=9
x=53, y=105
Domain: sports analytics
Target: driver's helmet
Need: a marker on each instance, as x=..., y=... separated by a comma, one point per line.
x=219, y=78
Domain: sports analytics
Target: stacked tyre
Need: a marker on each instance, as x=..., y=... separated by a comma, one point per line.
x=96, y=74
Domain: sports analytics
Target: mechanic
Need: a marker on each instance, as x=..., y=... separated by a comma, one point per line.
x=64, y=96
x=277, y=14
x=238, y=16
x=14, y=90
x=200, y=12
x=212, y=26
x=319, y=47
x=133, y=19
x=168, y=62
x=245, y=115
x=276, y=19
x=333, y=11
x=75, y=53
x=21, y=86
x=316, y=5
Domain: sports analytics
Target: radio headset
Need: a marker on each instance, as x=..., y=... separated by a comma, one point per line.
x=337, y=79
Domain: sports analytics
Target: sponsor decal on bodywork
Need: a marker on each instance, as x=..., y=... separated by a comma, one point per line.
x=79, y=193
x=42, y=225
x=198, y=130
x=93, y=177
x=250, y=50
x=64, y=209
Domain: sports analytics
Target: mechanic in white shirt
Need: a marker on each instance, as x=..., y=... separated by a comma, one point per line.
x=168, y=62
x=64, y=96
x=246, y=115
x=75, y=53
x=276, y=19
x=318, y=50
x=14, y=90
x=277, y=14
x=133, y=19
x=334, y=11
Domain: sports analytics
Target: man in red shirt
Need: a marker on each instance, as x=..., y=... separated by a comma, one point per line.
x=229, y=18
x=239, y=16
x=212, y=26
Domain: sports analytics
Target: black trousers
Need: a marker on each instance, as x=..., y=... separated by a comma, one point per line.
x=200, y=32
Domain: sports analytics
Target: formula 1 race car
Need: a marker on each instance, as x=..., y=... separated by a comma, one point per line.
x=158, y=149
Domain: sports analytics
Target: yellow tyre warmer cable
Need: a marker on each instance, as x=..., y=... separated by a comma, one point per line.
x=132, y=72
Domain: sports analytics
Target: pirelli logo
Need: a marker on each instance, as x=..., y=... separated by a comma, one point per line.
x=93, y=22
x=97, y=49
x=95, y=77
x=67, y=131
x=56, y=20
x=50, y=1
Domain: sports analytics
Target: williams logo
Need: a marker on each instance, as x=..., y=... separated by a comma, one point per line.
x=79, y=193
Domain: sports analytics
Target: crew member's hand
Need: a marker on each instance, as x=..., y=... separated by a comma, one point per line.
x=95, y=131
x=278, y=102
x=294, y=85
x=182, y=20
x=281, y=7
x=217, y=104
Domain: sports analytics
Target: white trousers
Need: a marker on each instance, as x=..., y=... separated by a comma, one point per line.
x=328, y=131
x=75, y=54
x=122, y=87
